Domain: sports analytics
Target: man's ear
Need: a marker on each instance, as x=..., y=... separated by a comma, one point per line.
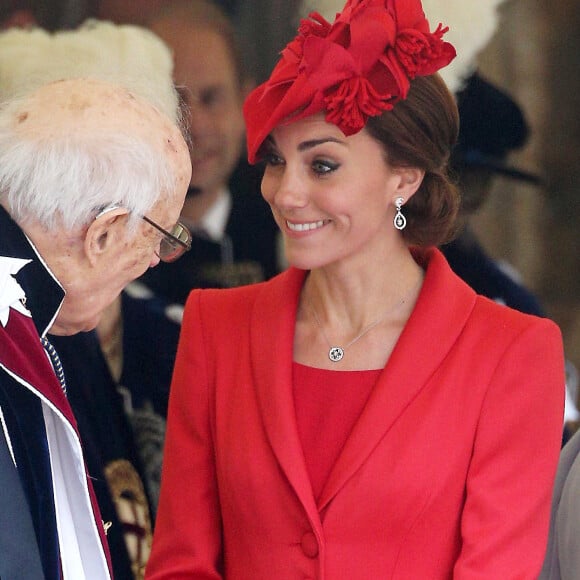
x=411, y=179
x=105, y=233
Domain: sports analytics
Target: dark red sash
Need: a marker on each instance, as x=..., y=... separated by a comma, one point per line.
x=23, y=355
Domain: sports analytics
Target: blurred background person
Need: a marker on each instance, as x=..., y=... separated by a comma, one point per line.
x=120, y=432
x=492, y=126
x=234, y=234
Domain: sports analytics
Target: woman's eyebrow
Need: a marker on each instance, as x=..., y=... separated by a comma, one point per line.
x=305, y=145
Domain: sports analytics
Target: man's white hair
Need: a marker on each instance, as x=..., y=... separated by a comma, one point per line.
x=472, y=24
x=68, y=176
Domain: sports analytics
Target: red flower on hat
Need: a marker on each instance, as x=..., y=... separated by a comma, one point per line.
x=353, y=69
x=363, y=63
x=421, y=54
x=348, y=91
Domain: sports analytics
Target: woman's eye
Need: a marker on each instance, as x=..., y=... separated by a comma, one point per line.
x=271, y=159
x=323, y=167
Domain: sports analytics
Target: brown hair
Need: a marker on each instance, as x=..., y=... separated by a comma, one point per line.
x=421, y=131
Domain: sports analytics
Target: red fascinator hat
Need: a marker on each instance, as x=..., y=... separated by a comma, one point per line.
x=353, y=69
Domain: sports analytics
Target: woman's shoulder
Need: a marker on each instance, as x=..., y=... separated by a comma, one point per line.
x=495, y=329
x=496, y=315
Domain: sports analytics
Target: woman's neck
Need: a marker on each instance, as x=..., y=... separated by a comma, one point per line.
x=363, y=313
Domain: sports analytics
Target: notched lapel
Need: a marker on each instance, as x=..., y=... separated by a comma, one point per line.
x=272, y=340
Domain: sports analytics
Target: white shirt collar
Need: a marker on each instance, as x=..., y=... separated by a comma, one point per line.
x=215, y=220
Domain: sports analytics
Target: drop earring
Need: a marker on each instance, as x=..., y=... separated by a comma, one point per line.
x=399, y=221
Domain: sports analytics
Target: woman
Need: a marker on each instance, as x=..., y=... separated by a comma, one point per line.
x=364, y=414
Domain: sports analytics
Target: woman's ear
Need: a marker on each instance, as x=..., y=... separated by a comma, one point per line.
x=105, y=233
x=411, y=179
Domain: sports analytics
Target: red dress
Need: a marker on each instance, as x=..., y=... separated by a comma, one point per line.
x=328, y=404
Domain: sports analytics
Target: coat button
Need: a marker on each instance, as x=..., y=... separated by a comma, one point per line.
x=309, y=545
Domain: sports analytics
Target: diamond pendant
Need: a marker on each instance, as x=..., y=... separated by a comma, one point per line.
x=400, y=221
x=335, y=353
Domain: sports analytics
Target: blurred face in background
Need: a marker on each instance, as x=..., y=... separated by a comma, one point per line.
x=206, y=76
x=127, y=11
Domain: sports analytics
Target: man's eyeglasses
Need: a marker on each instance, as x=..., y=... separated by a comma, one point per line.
x=173, y=244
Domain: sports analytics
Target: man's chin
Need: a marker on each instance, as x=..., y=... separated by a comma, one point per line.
x=70, y=328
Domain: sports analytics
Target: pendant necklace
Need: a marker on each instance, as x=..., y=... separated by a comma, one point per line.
x=336, y=353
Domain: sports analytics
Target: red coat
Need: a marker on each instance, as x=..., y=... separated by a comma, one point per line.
x=448, y=472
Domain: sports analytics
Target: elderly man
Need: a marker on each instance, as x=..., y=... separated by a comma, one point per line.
x=92, y=181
